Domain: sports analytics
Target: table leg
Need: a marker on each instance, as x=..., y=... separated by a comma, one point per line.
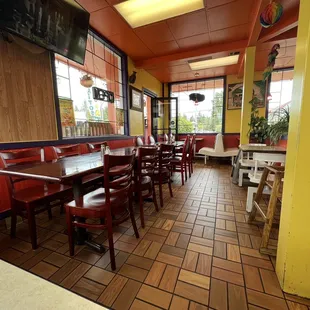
x=82, y=236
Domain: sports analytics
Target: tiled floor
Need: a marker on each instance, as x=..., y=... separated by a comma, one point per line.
x=197, y=253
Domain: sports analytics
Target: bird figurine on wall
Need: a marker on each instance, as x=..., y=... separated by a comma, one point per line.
x=133, y=77
x=271, y=61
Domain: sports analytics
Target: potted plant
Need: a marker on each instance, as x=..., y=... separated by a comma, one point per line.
x=279, y=129
x=259, y=128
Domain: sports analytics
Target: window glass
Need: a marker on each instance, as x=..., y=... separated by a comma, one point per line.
x=82, y=115
x=281, y=88
x=199, y=117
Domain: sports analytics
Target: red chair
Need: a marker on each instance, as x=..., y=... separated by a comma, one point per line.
x=139, y=141
x=179, y=163
x=162, y=173
x=95, y=147
x=27, y=201
x=109, y=204
x=190, y=155
x=91, y=181
x=143, y=177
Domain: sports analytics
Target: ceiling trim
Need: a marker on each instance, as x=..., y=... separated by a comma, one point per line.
x=200, y=52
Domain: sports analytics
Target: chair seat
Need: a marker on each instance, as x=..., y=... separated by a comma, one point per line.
x=146, y=182
x=41, y=192
x=176, y=160
x=96, y=201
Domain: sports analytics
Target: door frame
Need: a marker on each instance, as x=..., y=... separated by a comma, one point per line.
x=151, y=94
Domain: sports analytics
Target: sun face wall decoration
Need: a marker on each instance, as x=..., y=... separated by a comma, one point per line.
x=271, y=14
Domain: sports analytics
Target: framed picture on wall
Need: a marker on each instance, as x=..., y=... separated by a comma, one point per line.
x=135, y=99
x=235, y=91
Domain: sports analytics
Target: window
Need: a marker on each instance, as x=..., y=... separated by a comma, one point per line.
x=80, y=114
x=281, y=88
x=199, y=117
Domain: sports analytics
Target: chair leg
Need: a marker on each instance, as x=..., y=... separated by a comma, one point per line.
x=111, y=243
x=70, y=231
x=205, y=159
x=189, y=169
x=154, y=197
x=240, y=178
x=249, y=202
x=32, y=227
x=49, y=212
x=141, y=209
x=13, y=220
x=170, y=187
x=160, y=185
x=192, y=167
x=133, y=220
x=185, y=169
x=182, y=175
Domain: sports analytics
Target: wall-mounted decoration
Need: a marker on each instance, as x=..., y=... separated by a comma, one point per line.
x=103, y=95
x=271, y=61
x=197, y=98
x=235, y=92
x=86, y=81
x=271, y=14
x=133, y=77
x=135, y=99
x=66, y=112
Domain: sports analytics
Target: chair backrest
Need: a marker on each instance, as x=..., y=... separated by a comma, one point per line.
x=165, y=155
x=139, y=141
x=152, y=140
x=66, y=151
x=269, y=158
x=146, y=161
x=95, y=147
x=118, y=176
x=166, y=138
x=219, y=144
x=186, y=147
x=14, y=158
x=192, y=146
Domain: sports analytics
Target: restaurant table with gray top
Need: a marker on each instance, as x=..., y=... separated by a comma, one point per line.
x=70, y=171
x=253, y=148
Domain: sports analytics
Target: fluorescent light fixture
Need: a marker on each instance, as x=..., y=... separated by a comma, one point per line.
x=143, y=12
x=213, y=63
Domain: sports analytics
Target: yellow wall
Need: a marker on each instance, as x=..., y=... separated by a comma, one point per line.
x=233, y=117
x=144, y=80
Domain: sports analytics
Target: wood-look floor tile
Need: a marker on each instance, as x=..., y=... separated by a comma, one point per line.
x=64, y=271
x=202, y=241
x=127, y=295
x=129, y=239
x=141, y=305
x=200, y=248
x=44, y=270
x=133, y=272
x=88, y=257
x=172, y=238
x=155, y=296
x=141, y=262
x=154, y=276
x=253, y=253
x=244, y=240
x=208, y=233
x=227, y=265
x=226, y=239
x=56, y=259
x=191, y=218
x=75, y=275
x=252, y=278
x=181, y=230
x=195, y=306
x=35, y=258
x=233, y=253
x=159, y=232
x=111, y=292
x=256, y=262
x=169, y=259
x=169, y=278
x=295, y=306
x=179, y=303
x=255, y=241
x=192, y=292
x=204, y=264
x=218, y=295
x=153, y=250
x=190, y=261
x=10, y=255
x=220, y=249
x=183, y=241
x=297, y=299
x=194, y=278
x=236, y=297
x=120, y=260
x=182, y=217
x=99, y=275
x=156, y=238
x=271, y=283
x=88, y=288
x=228, y=276
x=220, y=224
x=142, y=247
x=168, y=225
x=265, y=300
x=124, y=246
x=159, y=223
x=22, y=246
x=197, y=231
x=173, y=251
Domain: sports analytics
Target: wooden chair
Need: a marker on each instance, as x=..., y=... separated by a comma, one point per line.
x=27, y=201
x=95, y=147
x=190, y=155
x=152, y=140
x=143, y=177
x=139, y=141
x=179, y=163
x=91, y=181
x=276, y=187
x=111, y=204
x=162, y=173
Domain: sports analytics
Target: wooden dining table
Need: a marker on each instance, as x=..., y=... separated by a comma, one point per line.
x=69, y=171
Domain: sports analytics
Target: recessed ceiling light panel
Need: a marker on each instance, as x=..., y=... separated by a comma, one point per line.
x=143, y=12
x=213, y=63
